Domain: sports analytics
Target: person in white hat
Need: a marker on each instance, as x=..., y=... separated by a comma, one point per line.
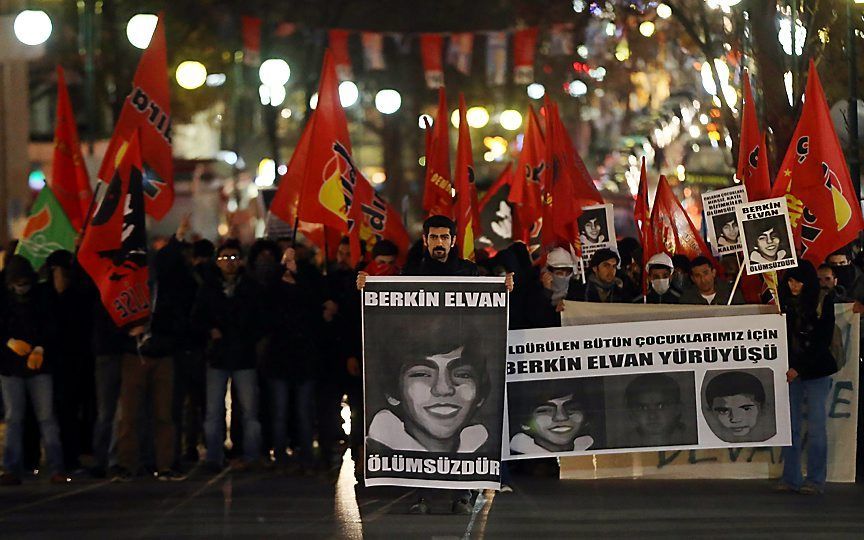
x=660, y=291
x=559, y=275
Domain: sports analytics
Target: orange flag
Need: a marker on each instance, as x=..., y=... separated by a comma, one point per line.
x=148, y=110
x=69, y=180
x=752, y=158
x=526, y=190
x=438, y=188
x=672, y=230
x=114, y=248
x=467, y=214
x=823, y=205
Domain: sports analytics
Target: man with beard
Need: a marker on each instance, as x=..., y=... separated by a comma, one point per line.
x=439, y=259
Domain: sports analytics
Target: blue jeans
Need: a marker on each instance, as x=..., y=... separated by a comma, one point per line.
x=245, y=382
x=107, y=395
x=303, y=394
x=815, y=392
x=41, y=390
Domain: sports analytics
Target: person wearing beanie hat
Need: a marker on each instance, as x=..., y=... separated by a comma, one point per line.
x=27, y=330
x=659, y=269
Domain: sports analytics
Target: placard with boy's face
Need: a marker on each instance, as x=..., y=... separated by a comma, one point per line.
x=723, y=231
x=431, y=386
x=596, y=229
x=738, y=405
x=767, y=236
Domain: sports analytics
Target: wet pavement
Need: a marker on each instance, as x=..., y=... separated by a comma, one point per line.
x=259, y=505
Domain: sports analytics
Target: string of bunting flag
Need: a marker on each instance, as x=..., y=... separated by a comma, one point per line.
x=514, y=46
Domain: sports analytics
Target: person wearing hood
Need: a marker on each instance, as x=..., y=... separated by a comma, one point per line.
x=810, y=328
x=27, y=332
x=71, y=293
x=660, y=290
x=530, y=302
x=604, y=286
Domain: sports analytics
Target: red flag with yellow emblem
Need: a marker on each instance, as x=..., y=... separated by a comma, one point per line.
x=467, y=213
x=823, y=205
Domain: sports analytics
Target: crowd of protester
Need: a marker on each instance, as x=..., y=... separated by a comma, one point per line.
x=278, y=331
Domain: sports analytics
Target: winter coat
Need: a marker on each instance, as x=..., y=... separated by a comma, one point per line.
x=809, y=335
x=30, y=318
x=238, y=316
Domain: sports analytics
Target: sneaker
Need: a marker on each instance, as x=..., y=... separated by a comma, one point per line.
x=783, y=487
x=122, y=475
x=59, y=479
x=9, y=479
x=811, y=489
x=505, y=488
x=419, y=507
x=171, y=475
x=462, y=507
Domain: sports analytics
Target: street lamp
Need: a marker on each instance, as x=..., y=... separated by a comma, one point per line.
x=191, y=74
x=536, y=90
x=510, y=120
x=140, y=29
x=388, y=101
x=274, y=72
x=348, y=93
x=32, y=27
x=477, y=117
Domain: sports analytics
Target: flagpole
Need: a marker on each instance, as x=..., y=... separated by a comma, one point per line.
x=88, y=217
x=735, y=286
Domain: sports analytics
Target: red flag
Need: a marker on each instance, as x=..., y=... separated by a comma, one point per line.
x=69, y=180
x=672, y=230
x=338, y=43
x=643, y=222
x=504, y=179
x=251, y=29
x=823, y=205
x=569, y=183
x=524, y=47
x=438, y=186
x=431, y=47
x=371, y=219
x=752, y=159
x=148, y=110
x=526, y=189
x=114, y=248
x=467, y=214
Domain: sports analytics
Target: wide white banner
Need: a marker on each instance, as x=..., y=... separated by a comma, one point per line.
x=652, y=385
x=737, y=462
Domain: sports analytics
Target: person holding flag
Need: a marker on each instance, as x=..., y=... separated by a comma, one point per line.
x=114, y=253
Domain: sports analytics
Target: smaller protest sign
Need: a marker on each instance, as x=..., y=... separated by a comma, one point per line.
x=596, y=230
x=722, y=223
x=767, y=238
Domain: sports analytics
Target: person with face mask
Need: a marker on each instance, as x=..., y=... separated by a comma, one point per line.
x=558, y=277
x=27, y=333
x=660, y=291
